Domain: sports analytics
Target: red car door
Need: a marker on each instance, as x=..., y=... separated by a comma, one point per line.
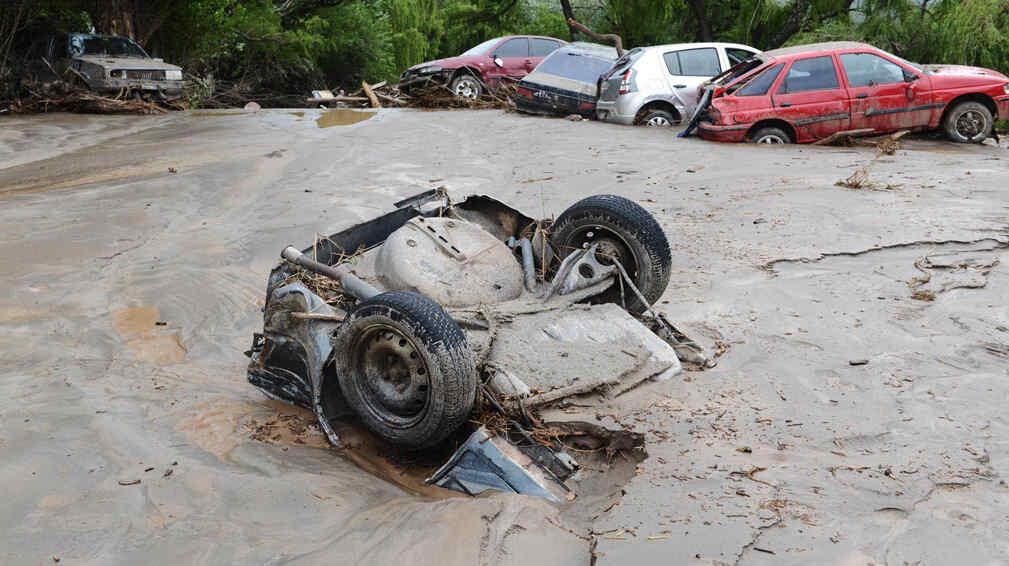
x=514, y=59
x=810, y=98
x=885, y=96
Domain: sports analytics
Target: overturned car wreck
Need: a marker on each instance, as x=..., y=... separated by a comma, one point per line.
x=443, y=319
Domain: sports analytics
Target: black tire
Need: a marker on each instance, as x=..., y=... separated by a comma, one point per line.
x=466, y=85
x=625, y=230
x=771, y=135
x=404, y=367
x=657, y=118
x=968, y=122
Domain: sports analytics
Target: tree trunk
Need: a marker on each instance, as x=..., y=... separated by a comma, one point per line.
x=701, y=15
x=569, y=15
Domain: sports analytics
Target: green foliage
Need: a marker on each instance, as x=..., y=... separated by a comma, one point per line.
x=359, y=43
x=293, y=45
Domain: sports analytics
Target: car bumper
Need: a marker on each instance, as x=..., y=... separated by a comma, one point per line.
x=540, y=99
x=1002, y=102
x=406, y=82
x=615, y=112
x=167, y=88
x=714, y=132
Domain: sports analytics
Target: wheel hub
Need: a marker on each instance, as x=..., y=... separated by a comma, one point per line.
x=391, y=372
x=970, y=124
x=609, y=247
x=466, y=88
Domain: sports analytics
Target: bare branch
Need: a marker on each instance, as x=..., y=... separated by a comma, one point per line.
x=612, y=38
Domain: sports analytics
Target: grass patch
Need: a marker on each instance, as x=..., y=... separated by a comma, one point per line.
x=1002, y=126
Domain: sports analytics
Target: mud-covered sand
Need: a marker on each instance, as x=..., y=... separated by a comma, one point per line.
x=856, y=415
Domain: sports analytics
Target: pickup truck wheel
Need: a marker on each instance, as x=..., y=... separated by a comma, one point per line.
x=405, y=368
x=624, y=231
x=771, y=135
x=969, y=122
x=657, y=118
x=466, y=86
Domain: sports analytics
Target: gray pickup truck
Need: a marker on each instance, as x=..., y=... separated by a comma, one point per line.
x=104, y=64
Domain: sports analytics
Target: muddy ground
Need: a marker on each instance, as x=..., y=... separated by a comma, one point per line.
x=855, y=417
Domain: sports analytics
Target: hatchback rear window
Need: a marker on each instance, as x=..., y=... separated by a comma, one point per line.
x=576, y=66
x=625, y=62
x=543, y=47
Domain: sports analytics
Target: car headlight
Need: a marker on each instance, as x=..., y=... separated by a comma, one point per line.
x=1005, y=88
x=173, y=75
x=428, y=70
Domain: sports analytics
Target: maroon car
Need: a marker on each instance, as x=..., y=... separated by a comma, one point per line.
x=806, y=93
x=484, y=66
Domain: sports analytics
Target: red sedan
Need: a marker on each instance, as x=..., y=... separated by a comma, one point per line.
x=806, y=93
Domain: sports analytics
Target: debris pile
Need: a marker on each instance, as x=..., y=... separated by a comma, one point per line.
x=432, y=96
x=60, y=97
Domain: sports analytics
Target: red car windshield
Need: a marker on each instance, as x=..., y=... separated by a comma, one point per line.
x=482, y=49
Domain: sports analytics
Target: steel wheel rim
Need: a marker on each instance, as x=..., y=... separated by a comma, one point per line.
x=970, y=124
x=391, y=376
x=658, y=121
x=771, y=140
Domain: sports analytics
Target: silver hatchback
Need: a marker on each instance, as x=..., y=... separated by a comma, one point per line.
x=657, y=86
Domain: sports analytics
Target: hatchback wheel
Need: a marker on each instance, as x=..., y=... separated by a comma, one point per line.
x=771, y=136
x=657, y=118
x=466, y=86
x=969, y=122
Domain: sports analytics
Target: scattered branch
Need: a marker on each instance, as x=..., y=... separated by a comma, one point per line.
x=611, y=38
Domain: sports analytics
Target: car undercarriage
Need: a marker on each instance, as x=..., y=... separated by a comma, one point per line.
x=464, y=323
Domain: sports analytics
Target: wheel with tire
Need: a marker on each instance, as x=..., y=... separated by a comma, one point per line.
x=404, y=367
x=467, y=86
x=623, y=231
x=969, y=122
x=658, y=118
x=771, y=135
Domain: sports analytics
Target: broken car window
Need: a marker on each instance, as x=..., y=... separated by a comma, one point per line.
x=759, y=85
x=736, y=72
x=814, y=73
x=866, y=69
x=737, y=56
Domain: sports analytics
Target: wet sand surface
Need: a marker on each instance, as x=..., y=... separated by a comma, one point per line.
x=856, y=414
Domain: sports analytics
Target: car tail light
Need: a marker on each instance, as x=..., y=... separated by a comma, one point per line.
x=586, y=105
x=625, y=83
x=524, y=92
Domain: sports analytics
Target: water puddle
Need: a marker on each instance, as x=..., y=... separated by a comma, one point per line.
x=342, y=117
